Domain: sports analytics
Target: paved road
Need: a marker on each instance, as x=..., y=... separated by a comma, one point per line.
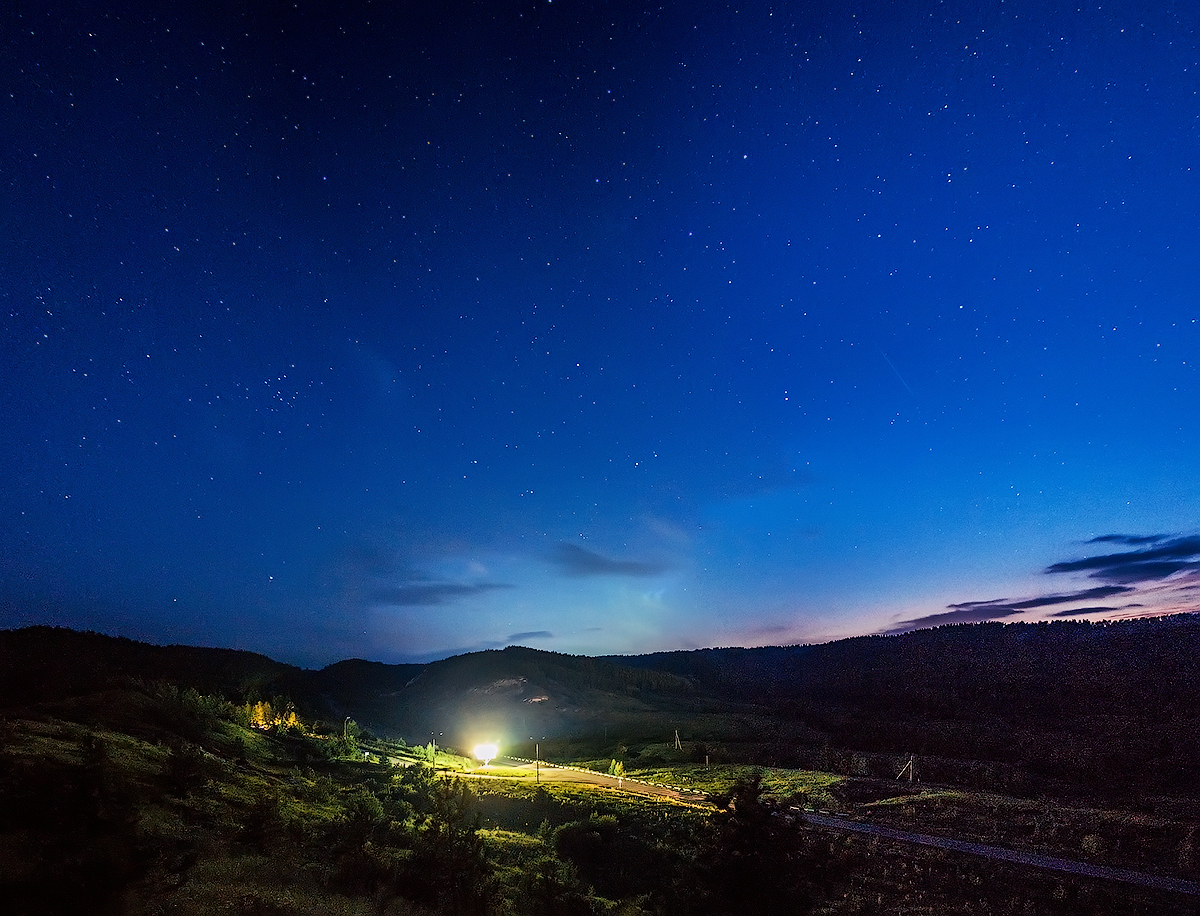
x=1053, y=863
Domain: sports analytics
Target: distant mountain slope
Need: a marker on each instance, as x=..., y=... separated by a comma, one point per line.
x=512, y=695
x=1105, y=705
x=1038, y=672
x=39, y=664
x=1045, y=670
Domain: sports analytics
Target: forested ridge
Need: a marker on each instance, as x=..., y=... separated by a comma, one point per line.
x=1109, y=707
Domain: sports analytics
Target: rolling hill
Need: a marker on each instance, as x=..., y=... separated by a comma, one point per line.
x=1018, y=707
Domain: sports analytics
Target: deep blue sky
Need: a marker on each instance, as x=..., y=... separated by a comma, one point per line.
x=402, y=330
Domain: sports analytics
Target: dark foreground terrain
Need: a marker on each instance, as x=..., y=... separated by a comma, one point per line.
x=157, y=780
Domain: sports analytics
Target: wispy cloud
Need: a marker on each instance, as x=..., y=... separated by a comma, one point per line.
x=1168, y=556
x=532, y=634
x=412, y=594
x=370, y=573
x=1130, y=539
x=1149, y=572
x=577, y=562
x=970, y=614
x=999, y=608
x=1098, y=609
x=1028, y=604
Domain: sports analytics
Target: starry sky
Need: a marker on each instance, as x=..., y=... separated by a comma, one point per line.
x=401, y=330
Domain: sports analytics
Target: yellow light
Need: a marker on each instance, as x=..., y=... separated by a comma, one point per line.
x=486, y=752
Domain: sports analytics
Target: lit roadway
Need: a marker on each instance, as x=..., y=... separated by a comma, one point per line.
x=551, y=773
x=548, y=772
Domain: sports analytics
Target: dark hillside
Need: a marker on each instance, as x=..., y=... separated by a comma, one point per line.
x=512, y=695
x=1045, y=672
x=1061, y=707
x=357, y=675
x=40, y=664
x=362, y=690
x=1101, y=705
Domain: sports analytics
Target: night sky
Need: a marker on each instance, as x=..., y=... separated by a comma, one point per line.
x=400, y=330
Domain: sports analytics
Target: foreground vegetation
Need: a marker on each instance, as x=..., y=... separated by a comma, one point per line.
x=155, y=800
x=166, y=801
x=139, y=779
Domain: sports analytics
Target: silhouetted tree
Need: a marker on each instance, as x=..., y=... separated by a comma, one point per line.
x=754, y=859
x=552, y=888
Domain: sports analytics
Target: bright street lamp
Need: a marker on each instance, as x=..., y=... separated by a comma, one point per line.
x=486, y=752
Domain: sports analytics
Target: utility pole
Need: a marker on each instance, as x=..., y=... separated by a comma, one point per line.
x=678, y=746
x=910, y=767
x=537, y=757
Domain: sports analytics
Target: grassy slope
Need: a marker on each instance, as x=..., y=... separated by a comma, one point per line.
x=108, y=820
x=118, y=813
x=125, y=796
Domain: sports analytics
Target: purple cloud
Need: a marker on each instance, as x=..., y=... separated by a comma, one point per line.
x=1075, y=612
x=998, y=608
x=975, y=614
x=1087, y=594
x=1139, y=571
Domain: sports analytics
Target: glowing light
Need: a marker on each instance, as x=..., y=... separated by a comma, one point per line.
x=486, y=752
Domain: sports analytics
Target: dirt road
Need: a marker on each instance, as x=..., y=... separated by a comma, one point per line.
x=548, y=772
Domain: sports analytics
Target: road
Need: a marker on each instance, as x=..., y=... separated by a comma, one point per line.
x=1037, y=860
x=548, y=772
